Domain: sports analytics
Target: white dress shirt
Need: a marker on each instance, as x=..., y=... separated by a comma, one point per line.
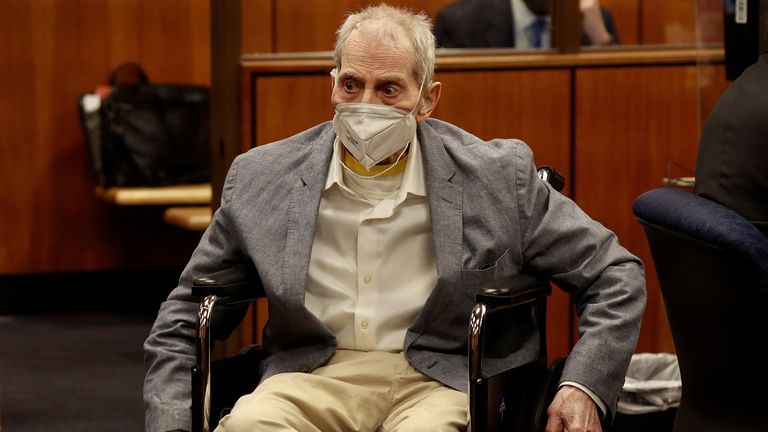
x=523, y=20
x=372, y=265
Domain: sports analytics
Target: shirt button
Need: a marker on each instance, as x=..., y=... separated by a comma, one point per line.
x=367, y=279
x=364, y=325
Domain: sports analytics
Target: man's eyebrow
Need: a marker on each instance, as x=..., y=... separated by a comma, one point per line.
x=347, y=75
x=384, y=79
x=397, y=79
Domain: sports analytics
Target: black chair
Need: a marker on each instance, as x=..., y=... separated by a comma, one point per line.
x=514, y=400
x=712, y=266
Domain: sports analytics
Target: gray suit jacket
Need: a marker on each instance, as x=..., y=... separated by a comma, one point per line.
x=491, y=217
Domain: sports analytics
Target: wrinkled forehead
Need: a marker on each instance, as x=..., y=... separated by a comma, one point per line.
x=384, y=31
x=377, y=38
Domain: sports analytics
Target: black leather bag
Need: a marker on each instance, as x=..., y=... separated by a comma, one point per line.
x=143, y=134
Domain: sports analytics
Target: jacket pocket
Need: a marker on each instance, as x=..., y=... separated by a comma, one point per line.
x=474, y=279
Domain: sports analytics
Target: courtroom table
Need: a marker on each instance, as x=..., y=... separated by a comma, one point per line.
x=188, y=204
x=679, y=182
x=193, y=218
x=161, y=195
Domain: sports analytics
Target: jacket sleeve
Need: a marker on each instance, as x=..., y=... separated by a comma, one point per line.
x=584, y=258
x=169, y=351
x=610, y=25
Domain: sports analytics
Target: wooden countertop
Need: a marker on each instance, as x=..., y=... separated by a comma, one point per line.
x=163, y=195
x=193, y=218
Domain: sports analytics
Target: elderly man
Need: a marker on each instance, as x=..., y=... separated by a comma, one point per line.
x=371, y=235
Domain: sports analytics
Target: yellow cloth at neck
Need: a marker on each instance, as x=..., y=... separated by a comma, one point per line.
x=357, y=167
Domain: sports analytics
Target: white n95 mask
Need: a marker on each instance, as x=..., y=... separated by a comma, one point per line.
x=372, y=133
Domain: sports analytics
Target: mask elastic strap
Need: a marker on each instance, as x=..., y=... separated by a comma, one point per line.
x=358, y=175
x=421, y=87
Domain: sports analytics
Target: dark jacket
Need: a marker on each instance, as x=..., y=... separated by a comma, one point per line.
x=487, y=23
x=732, y=166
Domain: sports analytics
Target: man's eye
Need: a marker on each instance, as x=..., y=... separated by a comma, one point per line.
x=390, y=91
x=349, y=86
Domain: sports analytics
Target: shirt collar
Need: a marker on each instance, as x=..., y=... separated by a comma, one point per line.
x=522, y=15
x=413, y=177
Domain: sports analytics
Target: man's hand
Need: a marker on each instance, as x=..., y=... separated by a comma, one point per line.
x=592, y=22
x=572, y=410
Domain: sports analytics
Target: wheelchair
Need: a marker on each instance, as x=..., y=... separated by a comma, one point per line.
x=514, y=400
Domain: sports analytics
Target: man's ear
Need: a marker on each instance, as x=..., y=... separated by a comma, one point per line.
x=334, y=73
x=431, y=96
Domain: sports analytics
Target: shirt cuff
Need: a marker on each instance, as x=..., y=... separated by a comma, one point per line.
x=599, y=402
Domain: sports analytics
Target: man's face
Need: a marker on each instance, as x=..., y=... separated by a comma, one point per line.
x=378, y=73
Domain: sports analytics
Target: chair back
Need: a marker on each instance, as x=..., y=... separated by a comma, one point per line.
x=712, y=266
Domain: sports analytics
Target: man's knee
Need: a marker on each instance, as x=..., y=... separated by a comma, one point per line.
x=256, y=422
x=427, y=421
x=263, y=412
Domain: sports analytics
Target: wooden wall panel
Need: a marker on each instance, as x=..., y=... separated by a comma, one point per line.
x=648, y=22
x=630, y=124
x=286, y=105
x=303, y=25
x=257, y=26
x=626, y=17
x=668, y=22
x=54, y=50
x=512, y=104
x=682, y=21
x=709, y=22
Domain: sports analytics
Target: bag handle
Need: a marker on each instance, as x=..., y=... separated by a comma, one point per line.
x=128, y=73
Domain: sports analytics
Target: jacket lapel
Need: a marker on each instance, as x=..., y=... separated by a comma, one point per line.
x=444, y=193
x=306, y=183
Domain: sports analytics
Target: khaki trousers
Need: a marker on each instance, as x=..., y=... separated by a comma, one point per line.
x=354, y=391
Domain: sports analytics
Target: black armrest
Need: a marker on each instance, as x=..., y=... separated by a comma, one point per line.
x=226, y=296
x=237, y=282
x=552, y=176
x=229, y=291
x=513, y=290
x=519, y=296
